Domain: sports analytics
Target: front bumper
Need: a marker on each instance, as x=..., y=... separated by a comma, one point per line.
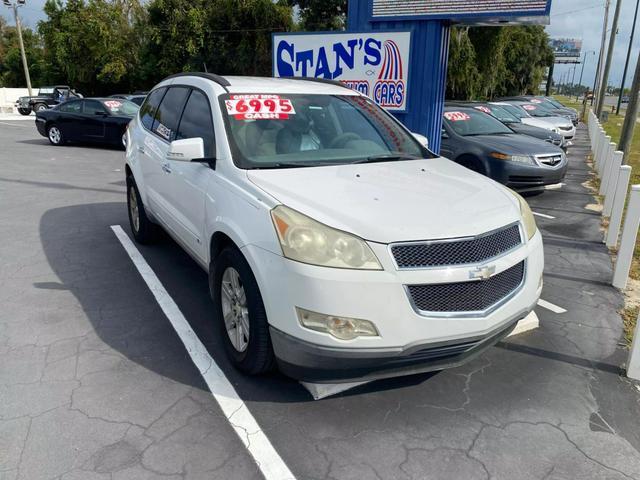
x=518, y=176
x=40, y=125
x=409, y=341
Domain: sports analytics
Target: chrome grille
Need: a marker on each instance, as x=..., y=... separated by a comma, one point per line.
x=465, y=297
x=456, y=252
x=549, y=160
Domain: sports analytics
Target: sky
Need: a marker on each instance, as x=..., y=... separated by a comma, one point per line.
x=569, y=18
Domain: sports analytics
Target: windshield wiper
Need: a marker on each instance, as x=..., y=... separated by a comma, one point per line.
x=387, y=157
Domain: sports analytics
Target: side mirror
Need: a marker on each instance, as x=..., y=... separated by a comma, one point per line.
x=424, y=141
x=186, y=150
x=444, y=134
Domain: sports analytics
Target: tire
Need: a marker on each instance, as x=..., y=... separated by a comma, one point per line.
x=472, y=163
x=24, y=111
x=123, y=141
x=256, y=357
x=144, y=230
x=39, y=107
x=54, y=134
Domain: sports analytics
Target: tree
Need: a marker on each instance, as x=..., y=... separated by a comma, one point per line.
x=91, y=45
x=225, y=36
x=488, y=62
x=11, y=68
x=322, y=14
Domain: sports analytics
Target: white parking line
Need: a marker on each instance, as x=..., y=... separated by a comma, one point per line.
x=256, y=442
x=551, y=306
x=555, y=186
x=12, y=125
x=543, y=215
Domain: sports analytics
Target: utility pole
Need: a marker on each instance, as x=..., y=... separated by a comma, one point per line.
x=584, y=61
x=626, y=137
x=14, y=6
x=603, y=44
x=607, y=67
x=626, y=65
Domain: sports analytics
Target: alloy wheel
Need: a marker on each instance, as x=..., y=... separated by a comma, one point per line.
x=133, y=208
x=234, y=309
x=55, y=135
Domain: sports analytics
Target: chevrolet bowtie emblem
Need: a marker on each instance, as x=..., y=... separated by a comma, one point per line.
x=483, y=273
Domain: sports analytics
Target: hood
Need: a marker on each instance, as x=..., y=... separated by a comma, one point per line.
x=515, y=144
x=532, y=131
x=394, y=201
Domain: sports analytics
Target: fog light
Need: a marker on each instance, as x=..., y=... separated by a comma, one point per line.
x=343, y=328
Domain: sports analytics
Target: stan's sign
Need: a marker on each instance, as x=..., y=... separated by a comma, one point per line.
x=376, y=64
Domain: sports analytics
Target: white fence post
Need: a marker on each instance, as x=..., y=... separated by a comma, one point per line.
x=607, y=175
x=615, y=221
x=612, y=183
x=628, y=240
x=606, y=164
x=633, y=365
x=596, y=146
x=604, y=141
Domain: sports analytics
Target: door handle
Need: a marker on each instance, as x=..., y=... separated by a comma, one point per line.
x=166, y=168
x=141, y=149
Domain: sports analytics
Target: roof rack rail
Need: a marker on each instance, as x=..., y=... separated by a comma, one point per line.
x=337, y=83
x=219, y=79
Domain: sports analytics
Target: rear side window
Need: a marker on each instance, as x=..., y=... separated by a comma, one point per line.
x=197, y=122
x=148, y=109
x=165, y=123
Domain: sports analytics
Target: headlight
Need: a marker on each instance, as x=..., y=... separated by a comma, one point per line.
x=513, y=158
x=308, y=241
x=343, y=328
x=529, y=222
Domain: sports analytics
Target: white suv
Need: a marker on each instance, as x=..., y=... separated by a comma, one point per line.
x=337, y=245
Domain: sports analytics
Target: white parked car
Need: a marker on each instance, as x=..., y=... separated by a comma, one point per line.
x=532, y=114
x=337, y=245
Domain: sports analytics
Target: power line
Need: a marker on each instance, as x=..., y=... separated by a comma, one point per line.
x=578, y=10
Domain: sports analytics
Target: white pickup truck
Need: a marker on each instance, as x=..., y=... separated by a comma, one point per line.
x=338, y=246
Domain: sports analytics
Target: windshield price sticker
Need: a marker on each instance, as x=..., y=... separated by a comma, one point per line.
x=535, y=100
x=259, y=107
x=529, y=107
x=483, y=109
x=112, y=104
x=456, y=116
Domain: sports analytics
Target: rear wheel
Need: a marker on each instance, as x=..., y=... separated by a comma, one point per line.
x=24, y=111
x=39, y=107
x=240, y=314
x=54, y=134
x=144, y=231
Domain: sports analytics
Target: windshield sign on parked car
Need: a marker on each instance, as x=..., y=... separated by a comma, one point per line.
x=500, y=113
x=121, y=107
x=294, y=130
x=471, y=122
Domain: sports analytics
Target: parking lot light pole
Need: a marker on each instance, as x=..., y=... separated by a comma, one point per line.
x=607, y=67
x=603, y=44
x=626, y=65
x=14, y=6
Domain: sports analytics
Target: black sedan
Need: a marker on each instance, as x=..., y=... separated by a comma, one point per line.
x=481, y=143
x=513, y=122
x=136, y=98
x=94, y=120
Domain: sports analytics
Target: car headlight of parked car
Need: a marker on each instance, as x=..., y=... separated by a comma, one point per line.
x=343, y=328
x=529, y=222
x=513, y=158
x=308, y=241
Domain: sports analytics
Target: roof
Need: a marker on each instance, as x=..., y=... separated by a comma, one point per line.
x=237, y=84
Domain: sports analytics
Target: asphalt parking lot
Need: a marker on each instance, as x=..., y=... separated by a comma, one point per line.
x=95, y=382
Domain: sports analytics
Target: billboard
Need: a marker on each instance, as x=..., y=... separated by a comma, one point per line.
x=460, y=9
x=373, y=63
x=566, y=50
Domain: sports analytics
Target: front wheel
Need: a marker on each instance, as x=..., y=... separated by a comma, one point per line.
x=144, y=230
x=54, y=134
x=24, y=111
x=240, y=314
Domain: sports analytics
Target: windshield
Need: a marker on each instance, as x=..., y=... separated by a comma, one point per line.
x=536, y=110
x=554, y=102
x=299, y=130
x=45, y=91
x=121, y=107
x=516, y=111
x=469, y=122
x=501, y=114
